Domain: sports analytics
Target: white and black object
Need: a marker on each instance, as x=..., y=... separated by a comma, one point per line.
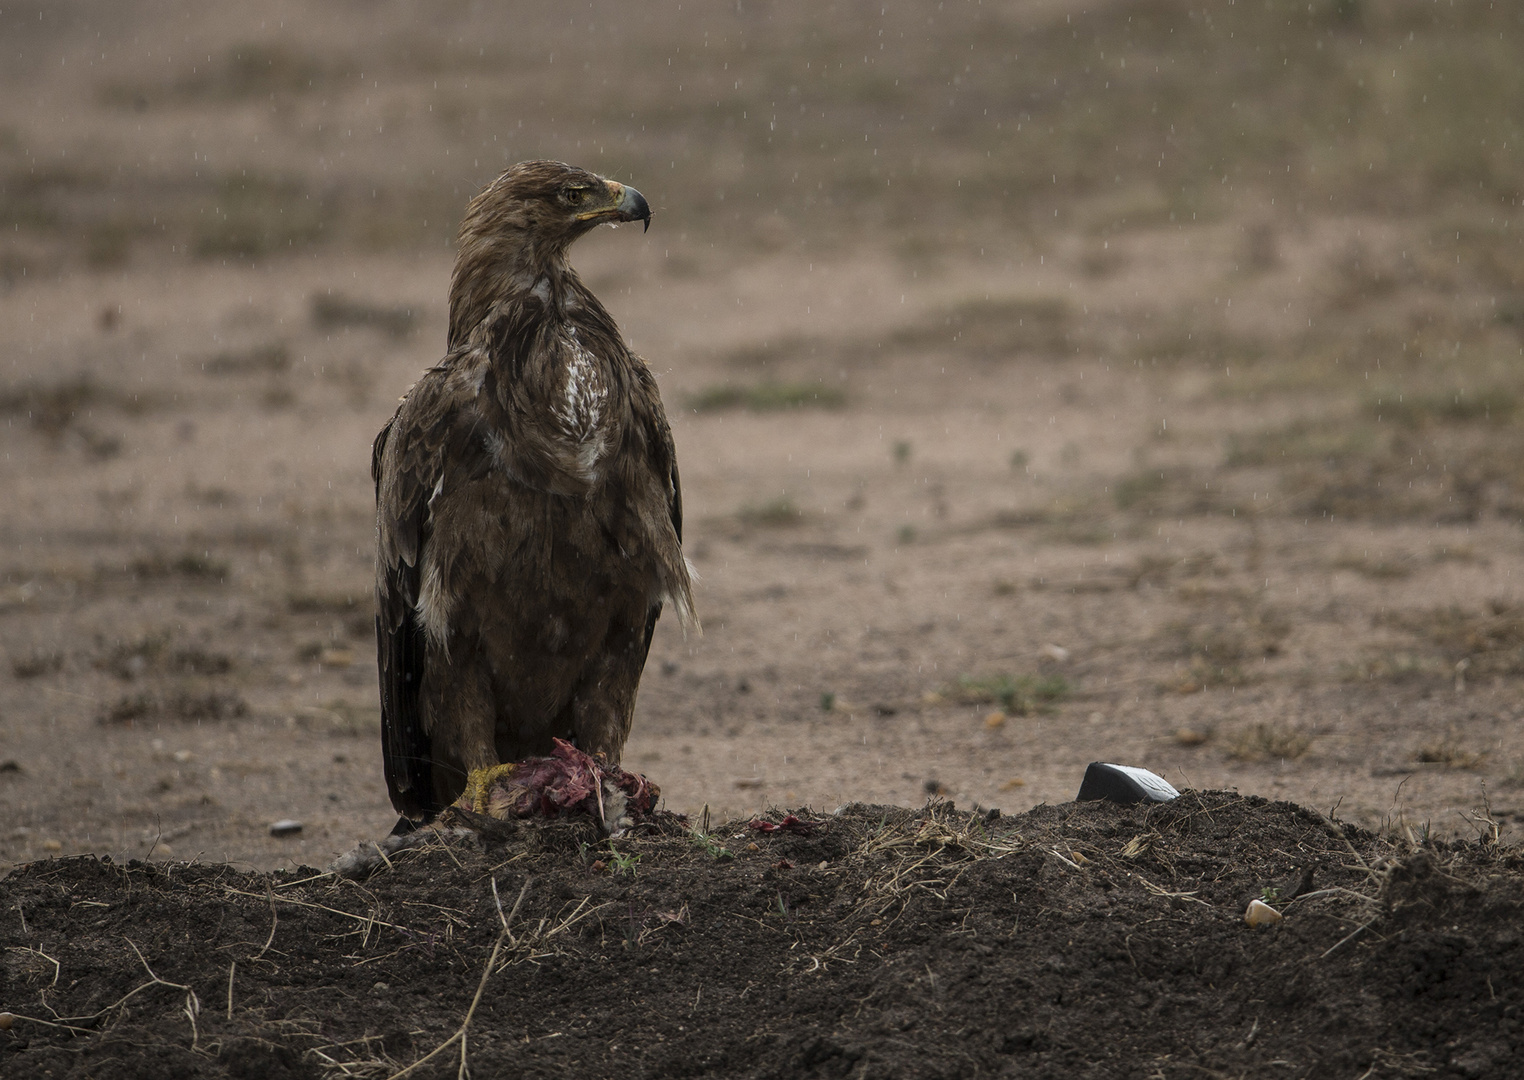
x=1123, y=784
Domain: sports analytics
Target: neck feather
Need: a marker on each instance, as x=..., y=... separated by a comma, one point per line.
x=494, y=267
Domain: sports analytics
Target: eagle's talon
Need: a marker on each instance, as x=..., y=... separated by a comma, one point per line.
x=479, y=783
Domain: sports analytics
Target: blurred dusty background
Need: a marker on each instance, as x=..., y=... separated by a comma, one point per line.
x=1052, y=381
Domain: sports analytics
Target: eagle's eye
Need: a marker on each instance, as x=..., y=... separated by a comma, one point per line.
x=574, y=195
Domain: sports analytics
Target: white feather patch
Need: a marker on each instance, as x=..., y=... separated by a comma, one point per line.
x=497, y=449
x=682, y=607
x=681, y=600
x=434, y=605
x=582, y=411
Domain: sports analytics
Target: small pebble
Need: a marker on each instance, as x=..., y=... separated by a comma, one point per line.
x=286, y=827
x=994, y=720
x=1261, y=914
x=6, y=1020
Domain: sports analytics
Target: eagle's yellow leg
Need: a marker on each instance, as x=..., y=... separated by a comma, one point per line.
x=480, y=781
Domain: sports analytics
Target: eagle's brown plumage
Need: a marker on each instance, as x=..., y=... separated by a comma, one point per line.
x=528, y=511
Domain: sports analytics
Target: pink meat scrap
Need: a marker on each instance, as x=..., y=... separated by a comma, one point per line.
x=791, y=823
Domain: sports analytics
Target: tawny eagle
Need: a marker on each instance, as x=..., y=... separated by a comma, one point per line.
x=528, y=511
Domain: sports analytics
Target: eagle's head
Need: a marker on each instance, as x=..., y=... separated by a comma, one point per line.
x=548, y=204
x=517, y=230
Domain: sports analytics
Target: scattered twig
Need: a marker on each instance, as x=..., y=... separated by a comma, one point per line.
x=1158, y=891
x=819, y=961
x=379, y=1065
x=274, y=922
x=506, y=920
x=1489, y=830
x=532, y=946
x=460, y=1033
x=446, y=847
x=191, y=1008
x=1062, y=859
x=366, y=919
x=60, y=1024
x=1338, y=834
x=305, y=880
x=382, y=853
x=1332, y=890
x=43, y=955
x=1347, y=937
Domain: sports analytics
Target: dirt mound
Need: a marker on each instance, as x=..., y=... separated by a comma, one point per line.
x=1075, y=940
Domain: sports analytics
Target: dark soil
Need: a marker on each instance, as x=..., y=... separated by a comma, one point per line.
x=1079, y=940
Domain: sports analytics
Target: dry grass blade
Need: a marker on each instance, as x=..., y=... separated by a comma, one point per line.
x=376, y=1066
x=1333, y=829
x=303, y=881
x=460, y=1033
x=367, y=921
x=154, y=980
x=1356, y=932
x=822, y=960
x=535, y=945
x=274, y=922
x=353, y=1070
x=507, y=920
x=40, y=955
x=1332, y=890
x=944, y=829
x=191, y=1007
x=923, y=850
x=381, y=854
x=1064, y=858
x=646, y=925
x=939, y=828
x=1168, y=894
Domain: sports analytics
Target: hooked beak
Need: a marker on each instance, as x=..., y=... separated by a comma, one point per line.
x=629, y=204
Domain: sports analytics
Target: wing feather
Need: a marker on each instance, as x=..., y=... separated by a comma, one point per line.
x=664, y=461
x=427, y=444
